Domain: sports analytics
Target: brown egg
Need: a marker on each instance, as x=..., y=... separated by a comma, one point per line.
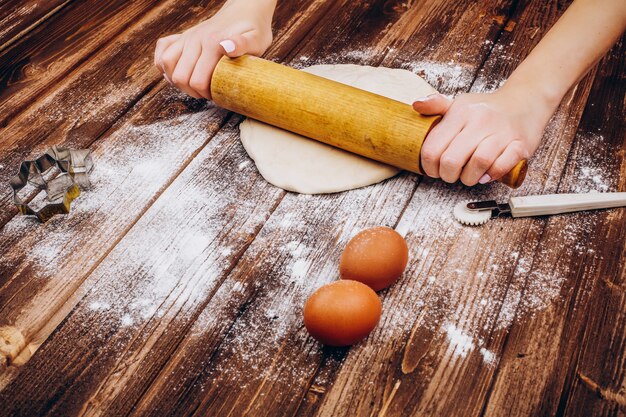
x=376, y=257
x=342, y=313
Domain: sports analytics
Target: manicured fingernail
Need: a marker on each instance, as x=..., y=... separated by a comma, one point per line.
x=228, y=45
x=423, y=99
x=167, y=78
x=485, y=179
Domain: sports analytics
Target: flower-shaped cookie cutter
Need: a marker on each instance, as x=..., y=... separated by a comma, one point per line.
x=60, y=173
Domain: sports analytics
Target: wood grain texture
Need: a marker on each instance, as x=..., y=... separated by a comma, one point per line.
x=176, y=287
x=81, y=112
x=571, y=332
x=48, y=53
x=85, y=104
x=289, y=361
x=316, y=9
x=142, y=132
x=19, y=17
x=453, y=346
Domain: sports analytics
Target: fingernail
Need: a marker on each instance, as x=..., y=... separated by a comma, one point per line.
x=167, y=79
x=228, y=45
x=423, y=99
x=485, y=179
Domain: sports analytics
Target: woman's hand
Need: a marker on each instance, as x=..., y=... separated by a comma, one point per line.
x=481, y=136
x=187, y=59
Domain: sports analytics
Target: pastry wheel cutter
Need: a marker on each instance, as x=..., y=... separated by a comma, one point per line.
x=60, y=173
x=478, y=212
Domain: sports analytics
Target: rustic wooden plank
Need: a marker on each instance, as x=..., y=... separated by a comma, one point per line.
x=319, y=12
x=30, y=67
x=262, y=364
x=86, y=103
x=192, y=243
x=252, y=303
x=55, y=110
x=553, y=361
x=265, y=364
x=17, y=18
x=82, y=109
x=166, y=131
x=471, y=283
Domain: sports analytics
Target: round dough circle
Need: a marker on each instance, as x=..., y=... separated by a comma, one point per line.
x=295, y=163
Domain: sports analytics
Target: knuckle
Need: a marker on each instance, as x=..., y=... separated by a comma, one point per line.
x=168, y=58
x=210, y=41
x=178, y=79
x=428, y=155
x=449, y=161
x=482, y=160
x=198, y=85
x=524, y=153
x=519, y=150
x=509, y=131
x=482, y=115
x=456, y=110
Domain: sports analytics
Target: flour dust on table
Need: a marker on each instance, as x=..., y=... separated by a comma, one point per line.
x=296, y=163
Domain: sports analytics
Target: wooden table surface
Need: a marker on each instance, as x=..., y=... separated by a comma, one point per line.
x=176, y=284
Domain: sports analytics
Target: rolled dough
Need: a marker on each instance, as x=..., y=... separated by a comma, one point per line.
x=295, y=163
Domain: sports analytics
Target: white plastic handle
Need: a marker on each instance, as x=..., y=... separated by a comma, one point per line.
x=540, y=205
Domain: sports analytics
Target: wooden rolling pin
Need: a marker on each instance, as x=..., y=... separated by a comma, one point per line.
x=358, y=121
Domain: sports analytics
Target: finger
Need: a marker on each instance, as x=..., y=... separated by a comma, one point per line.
x=161, y=45
x=170, y=57
x=185, y=66
x=437, y=142
x=486, y=153
x=458, y=153
x=432, y=104
x=246, y=43
x=513, y=153
x=200, y=80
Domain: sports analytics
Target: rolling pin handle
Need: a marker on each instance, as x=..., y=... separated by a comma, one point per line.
x=516, y=176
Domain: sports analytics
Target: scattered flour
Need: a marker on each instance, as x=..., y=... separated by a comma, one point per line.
x=595, y=173
x=460, y=343
x=488, y=356
x=192, y=262
x=299, y=269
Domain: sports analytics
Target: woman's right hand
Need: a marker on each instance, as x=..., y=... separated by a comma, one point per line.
x=482, y=136
x=187, y=59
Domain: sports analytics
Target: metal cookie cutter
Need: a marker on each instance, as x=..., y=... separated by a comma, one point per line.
x=60, y=173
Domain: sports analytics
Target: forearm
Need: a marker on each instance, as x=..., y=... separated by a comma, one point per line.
x=576, y=42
